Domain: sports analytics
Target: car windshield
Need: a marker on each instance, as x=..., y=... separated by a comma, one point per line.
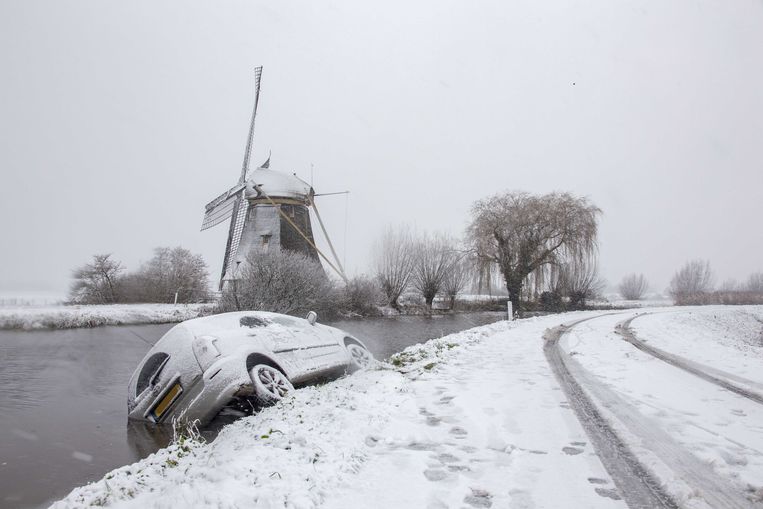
x=288, y=321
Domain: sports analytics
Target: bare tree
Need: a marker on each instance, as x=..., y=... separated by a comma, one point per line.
x=754, y=283
x=520, y=232
x=457, y=276
x=394, y=263
x=692, y=283
x=432, y=257
x=170, y=272
x=633, y=286
x=280, y=281
x=581, y=281
x=96, y=282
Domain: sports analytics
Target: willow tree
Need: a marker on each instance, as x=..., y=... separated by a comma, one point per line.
x=520, y=233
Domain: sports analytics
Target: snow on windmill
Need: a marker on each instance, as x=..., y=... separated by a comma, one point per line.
x=268, y=209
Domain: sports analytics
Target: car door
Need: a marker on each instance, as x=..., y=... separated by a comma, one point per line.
x=314, y=346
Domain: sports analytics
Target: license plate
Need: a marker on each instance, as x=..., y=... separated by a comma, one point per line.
x=169, y=397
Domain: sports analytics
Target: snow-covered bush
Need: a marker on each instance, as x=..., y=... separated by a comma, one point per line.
x=633, y=286
x=361, y=296
x=282, y=282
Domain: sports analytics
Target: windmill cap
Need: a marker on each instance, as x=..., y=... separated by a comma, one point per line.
x=277, y=184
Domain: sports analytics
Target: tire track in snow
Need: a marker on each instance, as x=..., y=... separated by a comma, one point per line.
x=696, y=369
x=639, y=487
x=636, y=484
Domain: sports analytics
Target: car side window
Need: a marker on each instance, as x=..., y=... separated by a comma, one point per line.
x=152, y=366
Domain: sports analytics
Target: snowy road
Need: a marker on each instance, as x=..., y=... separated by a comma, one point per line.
x=638, y=486
x=479, y=419
x=703, y=441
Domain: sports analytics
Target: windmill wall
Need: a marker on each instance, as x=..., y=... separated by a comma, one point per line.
x=265, y=229
x=290, y=238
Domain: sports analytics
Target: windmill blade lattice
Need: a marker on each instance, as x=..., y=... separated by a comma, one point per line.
x=221, y=208
x=237, y=228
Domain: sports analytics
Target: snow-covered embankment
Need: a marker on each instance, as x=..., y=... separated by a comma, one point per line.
x=68, y=317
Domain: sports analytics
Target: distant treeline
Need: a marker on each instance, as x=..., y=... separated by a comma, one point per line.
x=693, y=284
x=172, y=274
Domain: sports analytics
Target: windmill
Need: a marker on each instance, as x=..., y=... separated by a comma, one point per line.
x=268, y=210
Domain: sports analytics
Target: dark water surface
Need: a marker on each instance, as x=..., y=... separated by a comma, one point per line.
x=63, y=396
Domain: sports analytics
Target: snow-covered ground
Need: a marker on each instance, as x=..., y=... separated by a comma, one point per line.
x=722, y=337
x=650, y=300
x=474, y=419
x=30, y=298
x=704, y=442
x=64, y=317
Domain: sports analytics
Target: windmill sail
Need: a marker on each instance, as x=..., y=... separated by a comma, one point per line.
x=234, y=234
x=250, y=139
x=221, y=208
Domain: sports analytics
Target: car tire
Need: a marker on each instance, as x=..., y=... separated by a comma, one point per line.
x=270, y=385
x=360, y=358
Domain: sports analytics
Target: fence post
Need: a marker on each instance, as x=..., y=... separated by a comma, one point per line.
x=510, y=310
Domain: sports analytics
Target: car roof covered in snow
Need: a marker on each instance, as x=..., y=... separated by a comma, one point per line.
x=209, y=325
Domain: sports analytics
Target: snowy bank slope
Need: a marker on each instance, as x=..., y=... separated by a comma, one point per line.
x=728, y=338
x=68, y=317
x=473, y=419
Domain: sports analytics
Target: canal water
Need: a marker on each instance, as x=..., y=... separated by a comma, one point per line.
x=63, y=397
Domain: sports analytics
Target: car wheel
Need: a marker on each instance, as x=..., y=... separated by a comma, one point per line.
x=360, y=358
x=270, y=385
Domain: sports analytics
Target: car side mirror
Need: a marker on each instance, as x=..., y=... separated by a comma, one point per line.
x=312, y=317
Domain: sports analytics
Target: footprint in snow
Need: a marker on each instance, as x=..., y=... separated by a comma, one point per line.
x=478, y=498
x=579, y=444
x=572, y=451
x=447, y=458
x=421, y=446
x=596, y=480
x=458, y=432
x=739, y=413
x=609, y=493
x=435, y=474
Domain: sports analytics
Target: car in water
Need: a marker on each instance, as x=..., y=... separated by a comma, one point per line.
x=237, y=362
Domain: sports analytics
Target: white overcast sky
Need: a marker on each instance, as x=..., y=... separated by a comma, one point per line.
x=120, y=120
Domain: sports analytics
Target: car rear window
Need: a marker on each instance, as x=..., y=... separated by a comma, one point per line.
x=252, y=321
x=150, y=368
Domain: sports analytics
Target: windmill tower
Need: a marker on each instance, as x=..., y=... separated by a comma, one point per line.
x=268, y=210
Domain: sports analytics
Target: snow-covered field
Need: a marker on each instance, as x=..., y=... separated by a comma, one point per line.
x=65, y=317
x=651, y=300
x=475, y=419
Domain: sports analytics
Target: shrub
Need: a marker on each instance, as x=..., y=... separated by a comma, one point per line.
x=282, y=282
x=361, y=296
